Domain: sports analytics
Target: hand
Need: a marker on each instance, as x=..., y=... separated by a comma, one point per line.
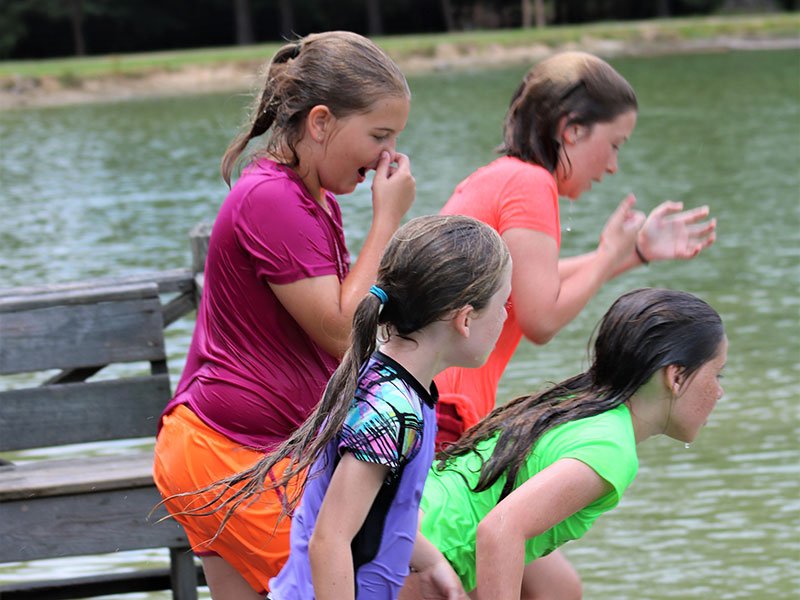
x=440, y=582
x=622, y=228
x=669, y=234
x=393, y=188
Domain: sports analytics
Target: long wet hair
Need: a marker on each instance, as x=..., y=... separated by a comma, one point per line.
x=432, y=266
x=644, y=330
x=342, y=70
x=577, y=87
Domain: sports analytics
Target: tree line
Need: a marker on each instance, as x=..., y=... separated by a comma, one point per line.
x=54, y=28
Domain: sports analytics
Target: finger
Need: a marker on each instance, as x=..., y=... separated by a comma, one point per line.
x=622, y=212
x=402, y=162
x=635, y=220
x=666, y=208
x=691, y=216
x=702, y=229
x=693, y=250
x=382, y=170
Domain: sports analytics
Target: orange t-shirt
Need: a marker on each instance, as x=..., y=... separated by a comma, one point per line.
x=505, y=194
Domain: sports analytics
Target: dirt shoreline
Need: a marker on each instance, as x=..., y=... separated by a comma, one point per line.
x=21, y=93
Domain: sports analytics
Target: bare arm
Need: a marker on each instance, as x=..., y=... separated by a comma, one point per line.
x=322, y=306
x=351, y=492
x=545, y=500
x=437, y=579
x=669, y=233
x=546, y=294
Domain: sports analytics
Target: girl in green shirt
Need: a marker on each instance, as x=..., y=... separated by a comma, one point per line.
x=538, y=471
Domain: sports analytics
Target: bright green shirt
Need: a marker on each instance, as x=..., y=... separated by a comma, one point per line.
x=452, y=511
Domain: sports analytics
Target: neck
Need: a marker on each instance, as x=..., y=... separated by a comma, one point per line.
x=421, y=356
x=307, y=175
x=650, y=409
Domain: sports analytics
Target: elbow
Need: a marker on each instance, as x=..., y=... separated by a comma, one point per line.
x=316, y=548
x=539, y=333
x=488, y=534
x=335, y=343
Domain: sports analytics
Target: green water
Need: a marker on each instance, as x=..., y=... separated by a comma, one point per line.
x=113, y=189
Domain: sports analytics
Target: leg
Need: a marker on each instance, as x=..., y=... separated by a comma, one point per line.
x=189, y=456
x=410, y=589
x=225, y=582
x=551, y=578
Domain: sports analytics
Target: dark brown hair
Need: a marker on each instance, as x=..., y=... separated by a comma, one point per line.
x=575, y=86
x=643, y=331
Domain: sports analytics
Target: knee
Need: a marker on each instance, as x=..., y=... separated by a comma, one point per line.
x=567, y=586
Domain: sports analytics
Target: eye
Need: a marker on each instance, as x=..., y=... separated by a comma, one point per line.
x=380, y=138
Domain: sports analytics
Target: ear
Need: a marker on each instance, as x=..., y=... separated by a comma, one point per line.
x=319, y=122
x=570, y=134
x=673, y=379
x=461, y=320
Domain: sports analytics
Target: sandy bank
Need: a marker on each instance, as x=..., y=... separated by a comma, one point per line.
x=21, y=92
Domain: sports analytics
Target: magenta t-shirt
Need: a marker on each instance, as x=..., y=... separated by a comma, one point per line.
x=252, y=373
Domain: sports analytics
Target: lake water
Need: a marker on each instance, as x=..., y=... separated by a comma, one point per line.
x=114, y=189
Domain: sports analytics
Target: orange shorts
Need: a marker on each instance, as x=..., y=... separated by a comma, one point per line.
x=189, y=455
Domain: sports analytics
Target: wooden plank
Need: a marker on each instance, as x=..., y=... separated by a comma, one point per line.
x=199, y=238
x=42, y=478
x=183, y=574
x=82, y=412
x=80, y=524
x=146, y=580
x=173, y=280
x=95, y=295
x=81, y=335
x=178, y=307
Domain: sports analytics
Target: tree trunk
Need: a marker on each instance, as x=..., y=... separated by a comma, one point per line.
x=527, y=14
x=541, y=18
x=76, y=21
x=244, y=22
x=662, y=8
x=374, y=21
x=447, y=13
x=287, y=19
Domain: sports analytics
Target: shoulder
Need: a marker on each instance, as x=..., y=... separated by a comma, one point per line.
x=266, y=188
x=385, y=391
x=613, y=427
x=525, y=175
x=508, y=179
x=605, y=442
x=385, y=422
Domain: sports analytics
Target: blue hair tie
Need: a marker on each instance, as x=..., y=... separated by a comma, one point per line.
x=382, y=296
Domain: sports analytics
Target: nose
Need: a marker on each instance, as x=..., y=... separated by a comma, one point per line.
x=611, y=167
x=391, y=145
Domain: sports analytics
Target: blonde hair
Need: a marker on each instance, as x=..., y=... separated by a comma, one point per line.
x=578, y=87
x=339, y=69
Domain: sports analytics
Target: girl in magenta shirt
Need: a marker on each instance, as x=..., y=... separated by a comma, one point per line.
x=279, y=291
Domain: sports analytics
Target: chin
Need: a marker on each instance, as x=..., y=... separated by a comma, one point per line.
x=341, y=190
x=689, y=438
